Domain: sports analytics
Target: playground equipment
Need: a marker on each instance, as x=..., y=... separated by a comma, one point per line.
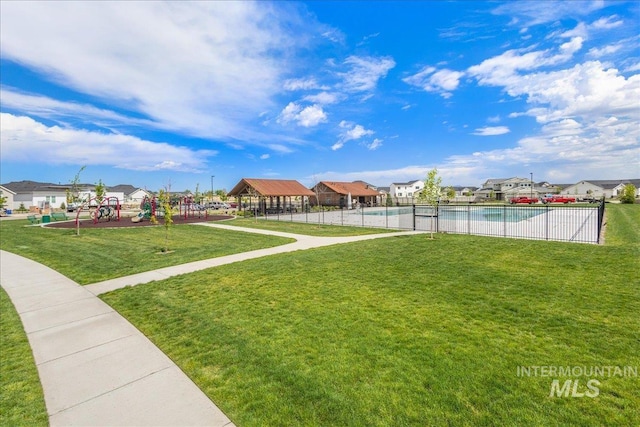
x=107, y=209
x=148, y=208
x=189, y=208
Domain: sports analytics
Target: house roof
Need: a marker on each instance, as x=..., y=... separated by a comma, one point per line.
x=3, y=188
x=270, y=187
x=406, y=183
x=495, y=180
x=30, y=186
x=123, y=188
x=609, y=184
x=355, y=188
x=366, y=184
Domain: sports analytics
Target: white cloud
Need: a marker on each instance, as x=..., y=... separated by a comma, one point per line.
x=432, y=80
x=190, y=68
x=23, y=139
x=365, y=72
x=301, y=84
x=491, y=131
x=505, y=69
x=607, y=23
x=633, y=67
x=375, y=144
x=352, y=132
x=529, y=13
x=323, y=98
x=312, y=116
x=307, y=117
x=264, y=156
x=604, y=51
x=61, y=111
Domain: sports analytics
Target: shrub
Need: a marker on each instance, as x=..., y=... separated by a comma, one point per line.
x=628, y=194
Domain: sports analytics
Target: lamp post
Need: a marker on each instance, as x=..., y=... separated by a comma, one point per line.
x=212, y=176
x=531, y=173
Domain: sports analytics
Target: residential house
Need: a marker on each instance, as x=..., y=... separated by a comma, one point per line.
x=382, y=191
x=8, y=198
x=344, y=194
x=37, y=195
x=600, y=188
x=507, y=188
x=405, y=192
x=462, y=194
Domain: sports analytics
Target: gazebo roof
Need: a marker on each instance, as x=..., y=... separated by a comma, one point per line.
x=357, y=188
x=269, y=188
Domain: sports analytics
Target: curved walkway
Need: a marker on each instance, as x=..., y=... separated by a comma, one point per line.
x=98, y=369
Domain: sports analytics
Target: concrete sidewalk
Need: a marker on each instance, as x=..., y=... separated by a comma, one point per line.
x=302, y=242
x=94, y=366
x=98, y=369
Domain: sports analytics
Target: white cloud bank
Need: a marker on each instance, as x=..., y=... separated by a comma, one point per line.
x=23, y=139
x=191, y=68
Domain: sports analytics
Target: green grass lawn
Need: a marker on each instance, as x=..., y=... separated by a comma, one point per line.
x=21, y=400
x=310, y=229
x=397, y=331
x=100, y=254
x=407, y=330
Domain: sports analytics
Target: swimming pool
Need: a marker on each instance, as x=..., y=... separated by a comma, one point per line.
x=474, y=213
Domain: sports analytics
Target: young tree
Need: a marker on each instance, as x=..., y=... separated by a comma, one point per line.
x=222, y=194
x=628, y=194
x=101, y=190
x=73, y=194
x=197, y=197
x=164, y=200
x=431, y=192
x=450, y=193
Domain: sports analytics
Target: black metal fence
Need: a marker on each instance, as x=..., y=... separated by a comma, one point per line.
x=570, y=223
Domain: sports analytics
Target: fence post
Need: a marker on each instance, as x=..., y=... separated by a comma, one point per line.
x=546, y=223
x=504, y=221
x=437, y=216
x=414, y=217
x=600, y=218
x=386, y=217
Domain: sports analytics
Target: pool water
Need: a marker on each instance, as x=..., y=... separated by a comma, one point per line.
x=498, y=213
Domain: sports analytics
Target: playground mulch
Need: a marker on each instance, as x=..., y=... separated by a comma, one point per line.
x=126, y=222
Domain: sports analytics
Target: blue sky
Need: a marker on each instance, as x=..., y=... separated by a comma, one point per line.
x=164, y=95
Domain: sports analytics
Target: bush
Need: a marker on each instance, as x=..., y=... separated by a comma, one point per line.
x=628, y=194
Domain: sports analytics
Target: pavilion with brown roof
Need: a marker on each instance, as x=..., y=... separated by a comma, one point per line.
x=332, y=193
x=271, y=194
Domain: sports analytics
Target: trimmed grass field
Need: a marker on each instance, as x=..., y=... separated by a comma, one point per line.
x=100, y=254
x=396, y=331
x=21, y=400
x=310, y=229
x=408, y=331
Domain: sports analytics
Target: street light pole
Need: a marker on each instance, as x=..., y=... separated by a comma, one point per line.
x=212, y=176
x=531, y=173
